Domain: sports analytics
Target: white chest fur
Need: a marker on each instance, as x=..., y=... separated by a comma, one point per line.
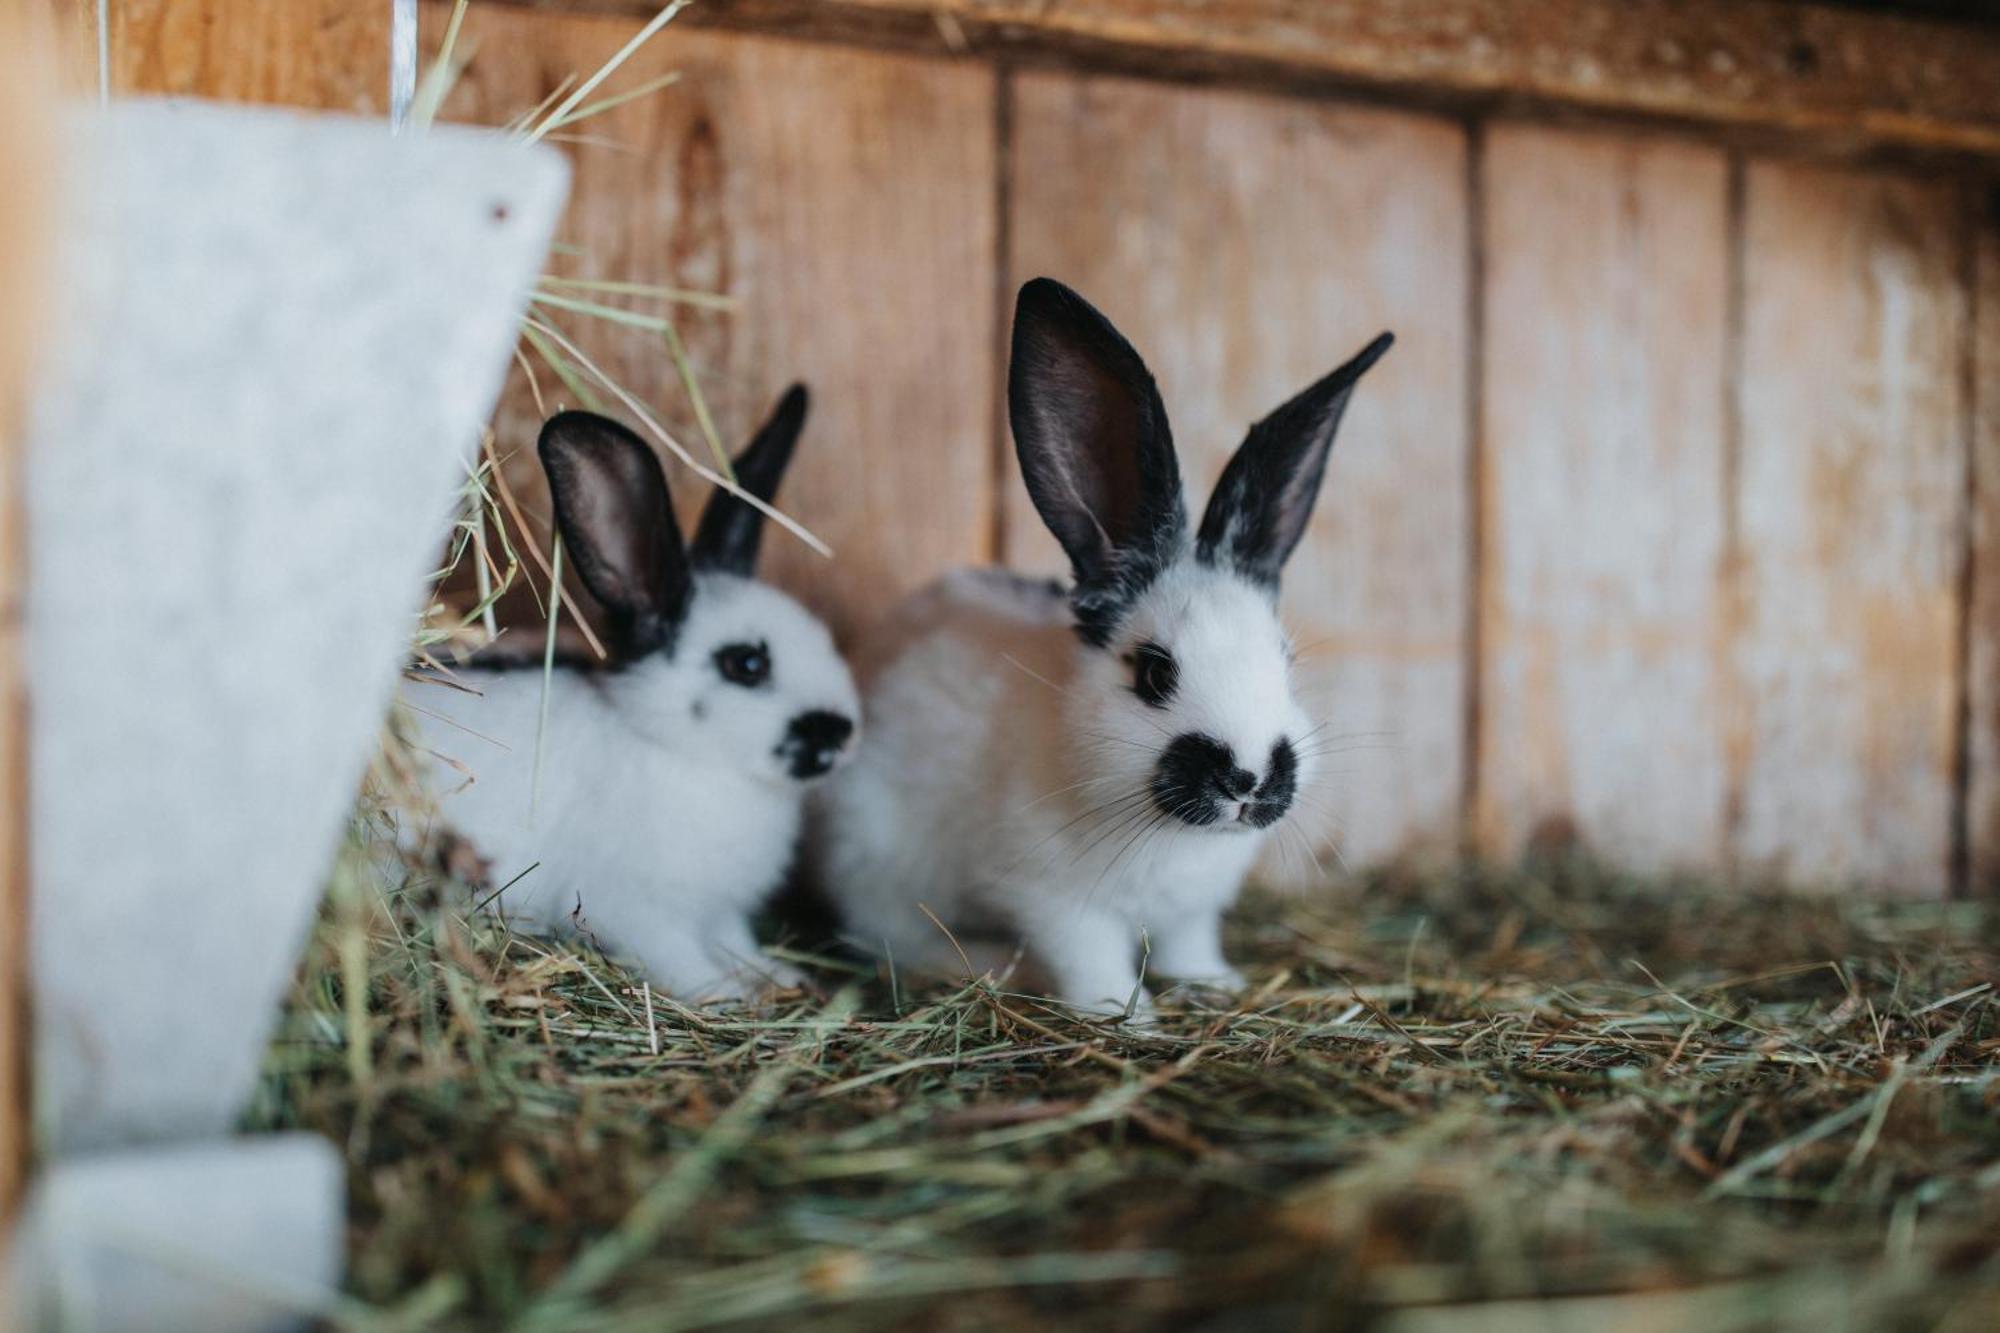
x=983, y=800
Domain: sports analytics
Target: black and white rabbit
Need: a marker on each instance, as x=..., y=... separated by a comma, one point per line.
x=1065, y=772
x=669, y=799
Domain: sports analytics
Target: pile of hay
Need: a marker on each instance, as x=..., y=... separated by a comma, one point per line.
x=1481, y=1101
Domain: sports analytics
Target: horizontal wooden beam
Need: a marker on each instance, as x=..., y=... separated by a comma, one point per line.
x=1840, y=76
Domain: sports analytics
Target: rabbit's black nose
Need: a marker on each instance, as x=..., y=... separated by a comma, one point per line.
x=1234, y=783
x=814, y=740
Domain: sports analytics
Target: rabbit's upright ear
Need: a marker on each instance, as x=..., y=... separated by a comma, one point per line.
x=617, y=523
x=1092, y=437
x=730, y=530
x=1260, y=507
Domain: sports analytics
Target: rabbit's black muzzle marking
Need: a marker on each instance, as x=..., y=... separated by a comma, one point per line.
x=1199, y=782
x=814, y=741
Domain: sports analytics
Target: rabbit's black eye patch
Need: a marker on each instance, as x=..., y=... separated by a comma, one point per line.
x=1155, y=674
x=745, y=664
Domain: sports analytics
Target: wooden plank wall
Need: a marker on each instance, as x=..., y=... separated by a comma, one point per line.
x=847, y=201
x=1662, y=532
x=328, y=54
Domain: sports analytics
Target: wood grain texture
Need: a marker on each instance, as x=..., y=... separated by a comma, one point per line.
x=1793, y=716
x=1851, y=488
x=1982, y=682
x=28, y=163
x=1832, y=74
x=846, y=201
x=1607, y=272
x=1246, y=245
x=329, y=54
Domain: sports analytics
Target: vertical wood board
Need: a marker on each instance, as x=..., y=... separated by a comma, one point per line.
x=1982, y=681
x=1850, y=496
x=1602, y=404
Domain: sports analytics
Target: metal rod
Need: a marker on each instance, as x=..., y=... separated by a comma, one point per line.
x=104, y=50
x=402, y=60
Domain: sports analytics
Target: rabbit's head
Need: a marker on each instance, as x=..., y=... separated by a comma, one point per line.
x=712, y=663
x=1185, y=688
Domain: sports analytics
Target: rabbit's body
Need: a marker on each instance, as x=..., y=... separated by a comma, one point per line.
x=670, y=791
x=1084, y=776
x=637, y=833
x=981, y=735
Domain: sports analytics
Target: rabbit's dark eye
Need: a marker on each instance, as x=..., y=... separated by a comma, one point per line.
x=746, y=664
x=1155, y=675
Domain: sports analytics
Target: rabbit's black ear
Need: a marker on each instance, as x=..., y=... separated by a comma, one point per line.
x=1260, y=507
x=730, y=530
x=617, y=524
x=1095, y=450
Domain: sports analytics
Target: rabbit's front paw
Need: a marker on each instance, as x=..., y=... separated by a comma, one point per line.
x=751, y=984
x=1089, y=960
x=1221, y=978
x=1133, y=1011
x=777, y=975
x=1187, y=956
x=1218, y=990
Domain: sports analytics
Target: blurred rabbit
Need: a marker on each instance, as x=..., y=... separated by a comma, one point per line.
x=671, y=784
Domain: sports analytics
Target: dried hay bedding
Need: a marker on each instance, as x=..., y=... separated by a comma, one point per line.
x=1579, y=1098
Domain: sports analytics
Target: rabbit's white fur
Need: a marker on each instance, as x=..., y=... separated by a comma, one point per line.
x=1022, y=793
x=668, y=802
x=1002, y=784
x=665, y=815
